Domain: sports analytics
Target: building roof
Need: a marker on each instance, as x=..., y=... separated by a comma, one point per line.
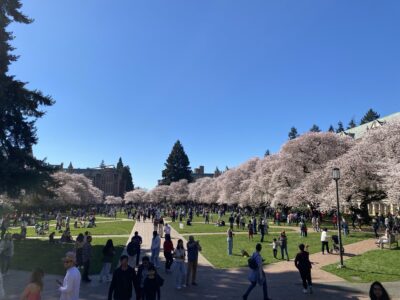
x=359, y=131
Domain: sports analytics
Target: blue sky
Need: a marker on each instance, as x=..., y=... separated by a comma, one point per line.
x=227, y=78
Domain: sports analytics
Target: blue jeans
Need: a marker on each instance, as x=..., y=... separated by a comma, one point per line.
x=230, y=246
x=154, y=259
x=253, y=285
x=283, y=251
x=180, y=270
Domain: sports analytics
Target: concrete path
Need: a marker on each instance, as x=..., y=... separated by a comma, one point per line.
x=283, y=280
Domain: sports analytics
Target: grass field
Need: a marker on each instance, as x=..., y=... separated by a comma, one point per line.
x=375, y=265
x=215, y=247
x=106, y=227
x=30, y=254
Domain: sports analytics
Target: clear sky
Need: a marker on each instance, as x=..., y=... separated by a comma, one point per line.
x=227, y=78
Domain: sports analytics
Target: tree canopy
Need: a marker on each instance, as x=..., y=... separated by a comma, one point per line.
x=19, y=110
x=369, y=116
x=177, y=166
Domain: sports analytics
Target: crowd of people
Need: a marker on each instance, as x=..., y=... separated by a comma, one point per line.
x=140, y=276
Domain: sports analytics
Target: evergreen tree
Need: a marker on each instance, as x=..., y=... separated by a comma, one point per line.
x=19, y=110
x=340, y=127
x=331, y=129
x=315, y=128
x=120, y=165
x=127, y=178
x=217, y=172
x=70, y=167
x=370, y=116
x=226, y=168
x=267, y=153
x=293, y=133
x=352, y=124
x=177, y=166
x=102, y=164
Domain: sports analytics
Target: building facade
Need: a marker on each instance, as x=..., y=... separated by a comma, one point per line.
x=106, y=178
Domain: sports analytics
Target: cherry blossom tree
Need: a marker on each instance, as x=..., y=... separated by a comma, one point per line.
x=135, y=196
x=112, y=200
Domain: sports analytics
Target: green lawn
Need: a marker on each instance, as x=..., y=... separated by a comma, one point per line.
x=107, y=228
x=215, y=247
x=375, y=265
x=211, y=228
x=30, y=254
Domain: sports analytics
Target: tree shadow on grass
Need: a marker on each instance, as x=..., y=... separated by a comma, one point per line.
x=30, y=254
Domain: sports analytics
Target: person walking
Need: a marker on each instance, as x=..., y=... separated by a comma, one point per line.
x=179, y=255
x=123, y=282
x=35, y=287
x=6, y=252
x=108, y=255
x=86, y=257
x=283, y=245
x=167, y=230
x=193, y=247
x=229, y=239
x=257, y=274
x=141, y=276
x=250, y=229
x=262, y=230
x=132, y=251
x=138, y=244
x=79, y=249
x=303, y=264
x=155, y=250
x=152, y=285
x=168, y=249
x=70, y=287
x=324, y=240
x=378, y=292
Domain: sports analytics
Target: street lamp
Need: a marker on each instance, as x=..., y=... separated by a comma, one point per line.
x=336, y=177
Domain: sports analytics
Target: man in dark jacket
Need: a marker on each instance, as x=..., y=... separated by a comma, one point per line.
x=123, y=281
x=303, y=264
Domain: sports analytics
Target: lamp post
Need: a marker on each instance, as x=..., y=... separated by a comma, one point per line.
x=336, y=177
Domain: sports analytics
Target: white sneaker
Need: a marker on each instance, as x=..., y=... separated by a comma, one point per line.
x=305, y=291
x=184, y=285
x=178, y=287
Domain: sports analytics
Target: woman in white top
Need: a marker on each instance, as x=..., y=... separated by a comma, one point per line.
x=179, y=255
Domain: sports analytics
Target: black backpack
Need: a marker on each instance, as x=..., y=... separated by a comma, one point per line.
x=252, y=263
x=131, y=249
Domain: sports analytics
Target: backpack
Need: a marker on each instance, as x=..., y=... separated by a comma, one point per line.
x=131, y=249
x=252, y=263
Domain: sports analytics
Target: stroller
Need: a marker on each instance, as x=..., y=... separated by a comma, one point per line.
x=335, y=244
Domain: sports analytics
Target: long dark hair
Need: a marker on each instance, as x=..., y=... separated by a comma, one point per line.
x=385, y=295
x=109, y=244
x=179, y=243
x=37, y=277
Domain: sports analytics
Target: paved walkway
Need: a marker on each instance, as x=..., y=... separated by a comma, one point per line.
x=283, y=280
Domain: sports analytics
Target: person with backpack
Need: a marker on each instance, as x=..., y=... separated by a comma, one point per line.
x=257, y=274
x=133, y=249
x=303, y=264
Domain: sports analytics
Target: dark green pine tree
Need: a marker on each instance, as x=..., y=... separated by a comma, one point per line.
x=217, y=172
x=177, y=166
x=293, y=133
x=70, y=167
x=340, y=127
x=315, y=128
x=19, y=110
x=331, y=129
x=127, y=178
x=352, y=124
x=370, y=116
x=120, y=165
x=102, y=164
x=267, y=153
